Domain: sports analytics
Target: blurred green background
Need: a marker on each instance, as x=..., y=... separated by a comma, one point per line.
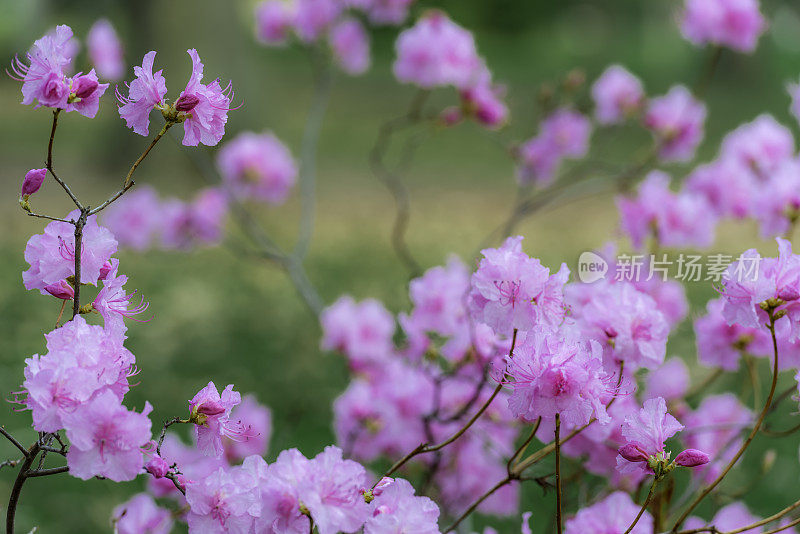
x=230, y=319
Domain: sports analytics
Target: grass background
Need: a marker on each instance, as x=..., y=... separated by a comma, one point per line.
x=227, y=318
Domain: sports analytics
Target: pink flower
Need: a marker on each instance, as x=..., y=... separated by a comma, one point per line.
x=141, y=515
x=484, y=100
x=82, y=361
x=733, y=23
x=258, y=166
x=776, y=201
x=511, y=290
x=670, y=380
x=752, y=280
x=208, y=111
x=223, y=502
x=105, y=50
x=362, y=331
x=85, y=93
x=144, y=93
x=350, y=44
x=612, y=514
x=193, y=465
x=760, y=146
x=314, y=17
x=564, y=134
x=106, y=439
x=44, y=79
x=333, y=492
x=274, y=19
x=676, y=120
x=33, y=181
x=114, y=304
x=395, y=508
x=673, y=219
x=628, y=322
x=258, y=419
x=557, y=372
x=199, y=223
x=646, y=433
x=617, y=94
x=734, y=516
x=726, y=185
x=436, y=52
x=280, y=494
x=715, y=428
x=211, y=414
x=383, y=12
x=539, y=160
x=51, y=255
x=720, y=344
x=135, y=218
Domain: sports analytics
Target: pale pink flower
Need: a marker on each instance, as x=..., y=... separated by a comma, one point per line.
x=395, y=508
x=736, y=24
x=144, y=93
x=350, y=44
x=676, y=120
x=258, y=166
x=617, y=95
x=105, y=50
x=611, y=515
x=141, y=515
x=274, y=20
x=211, y=414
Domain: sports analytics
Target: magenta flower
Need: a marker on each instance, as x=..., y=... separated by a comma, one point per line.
x=105, y=50
x=135, y=218
x=395, y=508
x=85, y=93
x=734, y=516
x=106, y=439
x=646, y=433
x=280, y=494
x=61, y=290
x=539, y=160
x=736, y=24
x=670, y=380
x=511, y=290
x=206, y=107
x=258, y=419
x=436, y=52
x=564, y=134
x=727, y=187
x=691, y=458
x=350, y=44
x=222, y=502
x=760, y=146
x=193, y=465
x=676, y=120
x=617, y=95
x=211, y=414
x=258, y=166
x=720, y=344
x=44, y=79
x=332, y=491
x=752, y=280
x=144, y=93
x=611, y=515
x=557, y=372
x=274, y=19
x=32, y=182
x=51, y=255
x=141, y=515
x=199, y=223
x=114, y=304
x=627, y=322
x=485, y=102
x=362, y=331
x=776, y=201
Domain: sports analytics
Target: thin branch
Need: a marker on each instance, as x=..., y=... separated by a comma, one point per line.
x=168, y=423
x=49, y=163
x=322, y=91
x=559, y=521
x=16, y=490
x=47, y=472
x=79, y=224
x=749, y=439
x=644, y=505
x=112, y=198
x=159, y=135
x=14, y=441
x=477, y=503
x=512, y=462
x=49, y=218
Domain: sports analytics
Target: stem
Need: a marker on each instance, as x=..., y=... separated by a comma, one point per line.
x=644, y=506
x=512, y=462
x=13, y=500
x=477, y=503
x=79, y=224
x=127, y=183
x=49, y=218
x=168, y=423
x=425, y=448
x=61, y=313
x=46, y=472
x=558, y=475
x=49, y=163
x=753, y=432
x=14, y=441
x=322, y=92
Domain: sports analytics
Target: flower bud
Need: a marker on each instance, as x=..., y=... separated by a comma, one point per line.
x=84, y=86
x=105, y=269
x=692, y=458
x=210, y=408
x=158, y=467
x=61, y=290
x=33, y=181
x=450, y=116
x=788, y=294
x=382, y=485
x=186, y=102
x=633, y=453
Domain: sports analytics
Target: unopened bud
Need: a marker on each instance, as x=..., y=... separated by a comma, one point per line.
x=186, y=102
x=692, y=458
x=788, y=294
x=158, y=467
x=210, y=408
x=84, y=86
x=105, y=269
x=450, y=116
x=61, y=290
x=33, y=181
x=633, y=453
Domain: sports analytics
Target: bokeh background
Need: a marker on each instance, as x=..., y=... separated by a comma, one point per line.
x=231, y=319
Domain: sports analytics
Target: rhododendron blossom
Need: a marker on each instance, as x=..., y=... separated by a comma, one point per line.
x=257, y=166
x=105, y=50
x=676, y=120
x=617, y=94
x=211, y=414
x=611, y=515
x=734, y=23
